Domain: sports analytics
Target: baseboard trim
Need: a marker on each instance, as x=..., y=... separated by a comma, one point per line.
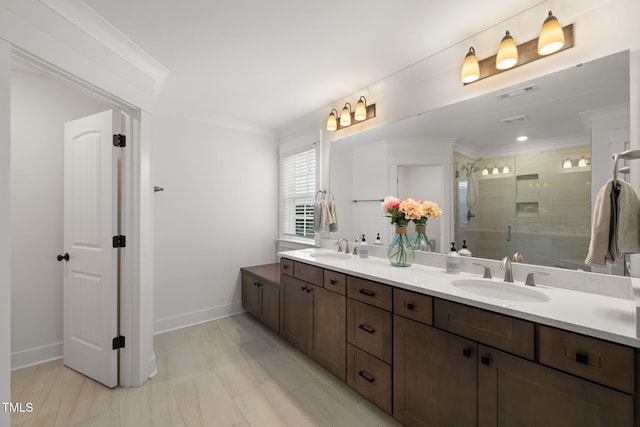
x=196, y=317
x=36, y=356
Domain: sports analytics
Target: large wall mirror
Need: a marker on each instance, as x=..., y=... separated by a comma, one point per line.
x=499, y=194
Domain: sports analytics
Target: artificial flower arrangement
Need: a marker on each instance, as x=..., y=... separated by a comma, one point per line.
x=401, y=212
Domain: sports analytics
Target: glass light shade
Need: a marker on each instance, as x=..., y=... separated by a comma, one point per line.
x=505, y=169
x=485, y=171
x=567, y=164
x=582, y=162
x=495, y=171
x=345, y=116
x=551, y=36
x=470, y=68
x=332, y=122
x=361, y=109
x=507, y=55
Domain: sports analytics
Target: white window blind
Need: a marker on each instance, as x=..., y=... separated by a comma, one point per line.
x=299, y=189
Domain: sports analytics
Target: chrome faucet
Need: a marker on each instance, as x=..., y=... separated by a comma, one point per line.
x=530, y=281
x=339, y=243
x=506, y=266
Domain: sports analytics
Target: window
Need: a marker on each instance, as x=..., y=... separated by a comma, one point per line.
x=299, y=189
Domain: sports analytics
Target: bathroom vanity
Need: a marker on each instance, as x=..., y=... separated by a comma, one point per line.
x=437, y=349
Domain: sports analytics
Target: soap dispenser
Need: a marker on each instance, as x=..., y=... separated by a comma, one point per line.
x=363, y=252
x=464, y=251
x=453, y=260
x=378, y=241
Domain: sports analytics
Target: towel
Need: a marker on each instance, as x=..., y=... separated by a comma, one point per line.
x=333, y=223
x=615, y=229
x=625, y=220
x=321, y=216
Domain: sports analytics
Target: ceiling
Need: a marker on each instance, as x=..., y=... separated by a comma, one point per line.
x=266, y=63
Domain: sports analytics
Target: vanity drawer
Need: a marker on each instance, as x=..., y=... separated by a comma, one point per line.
x=336, y=282
x=286, y=266
x=308, y=273
x=496, y=330
x=369, y=292
x=413, y=305
x=601, y=361
x=370, y=377
x=370, y=329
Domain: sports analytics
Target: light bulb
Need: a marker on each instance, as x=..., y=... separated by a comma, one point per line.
x=507, y=55
x=551, y=36
x=345, y=117
x=361, y=109
x=505, y=169
x=485, y=171
x=582, y=162
x=332, y=123
x=567, y=164
x=470, y=67
x=495, y=170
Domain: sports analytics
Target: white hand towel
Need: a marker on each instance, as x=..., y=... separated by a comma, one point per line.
x=599, y=253
x=333, y=224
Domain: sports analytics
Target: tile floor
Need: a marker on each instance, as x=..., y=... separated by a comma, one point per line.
x=228, y=372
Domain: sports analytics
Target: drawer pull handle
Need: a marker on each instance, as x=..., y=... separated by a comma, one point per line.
x=309, y=290
x=333, y=281
x=485, y=360
x=256, y=284
x=364, y=375
x=466, y=352
x=410, y=306
x=582, y=358
x=285, y=267
x=367, y=292
x=303, y=288
x=367, y=329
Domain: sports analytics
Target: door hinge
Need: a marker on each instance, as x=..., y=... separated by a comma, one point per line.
x=119, y=140
x=119, y=241
x=118, y=342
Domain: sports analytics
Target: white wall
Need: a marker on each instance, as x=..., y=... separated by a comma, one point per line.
x=218, y=213
x=5, y=228
x=40, y=105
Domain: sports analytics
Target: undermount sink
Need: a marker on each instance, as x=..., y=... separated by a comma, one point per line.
x=500, y=290
x=330, y=255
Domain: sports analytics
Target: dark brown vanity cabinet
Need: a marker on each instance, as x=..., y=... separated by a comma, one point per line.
x=313, y=318
x=261, y=293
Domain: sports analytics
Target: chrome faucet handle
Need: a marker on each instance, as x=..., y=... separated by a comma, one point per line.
x=506, y=266
x=355, y=250
x=517, y=257
x=530, y=281
x=339, y=243
x=487, y=270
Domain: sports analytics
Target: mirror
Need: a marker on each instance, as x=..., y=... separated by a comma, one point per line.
x=498, y=194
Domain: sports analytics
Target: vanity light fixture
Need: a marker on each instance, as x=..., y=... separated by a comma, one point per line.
x=495, y=170
x=470, y=68
x=505, y=169
x=582, y=162
x=485, y=171
x=361, y=109
x=507, y=55
x=551, y=36
x=345, y=116
x=567, y=164
x=332, y=120
x=362, y=113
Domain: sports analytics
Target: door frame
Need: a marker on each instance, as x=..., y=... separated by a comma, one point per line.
x=136, y=365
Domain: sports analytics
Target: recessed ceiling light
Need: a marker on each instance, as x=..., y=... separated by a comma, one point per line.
x=522, y=138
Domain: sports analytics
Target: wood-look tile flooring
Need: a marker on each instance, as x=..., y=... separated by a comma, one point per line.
x=228, y=372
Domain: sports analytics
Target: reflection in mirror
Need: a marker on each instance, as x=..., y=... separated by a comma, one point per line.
x=499, y=194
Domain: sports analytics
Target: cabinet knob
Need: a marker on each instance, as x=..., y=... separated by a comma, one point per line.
x=367, y=329
x=63, y=257
x=367, y=292
x=256, y=284
x=410, y=306
x=303, y=288
x=466, y=352
x=285, y=267
x=485, y=360
x=333, y=281
x=582, y=358
x=367, y=377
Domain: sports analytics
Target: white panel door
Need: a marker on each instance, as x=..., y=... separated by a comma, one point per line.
x=91, y=270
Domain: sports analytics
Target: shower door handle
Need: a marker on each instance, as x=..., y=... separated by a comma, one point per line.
x=508, y=232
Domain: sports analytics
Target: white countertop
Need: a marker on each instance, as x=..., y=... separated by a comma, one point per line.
x=607, y=317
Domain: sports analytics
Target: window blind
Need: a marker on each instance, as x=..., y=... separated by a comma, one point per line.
x=299, y=189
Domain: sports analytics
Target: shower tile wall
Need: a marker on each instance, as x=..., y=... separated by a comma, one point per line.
x=546, y=207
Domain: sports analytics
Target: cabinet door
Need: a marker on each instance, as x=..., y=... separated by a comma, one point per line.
x=271, y=306
x=327, y=341
x=251, y=295
x=435, y=376
x=516, y=392
x=294, y=320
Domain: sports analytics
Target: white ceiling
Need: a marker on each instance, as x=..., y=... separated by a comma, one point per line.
x=266, y=63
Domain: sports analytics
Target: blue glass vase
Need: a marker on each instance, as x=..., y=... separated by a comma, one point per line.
x=400, y=252
x=420, y=240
